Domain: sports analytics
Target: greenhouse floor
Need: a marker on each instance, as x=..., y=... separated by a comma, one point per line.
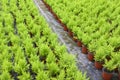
x=82, y=62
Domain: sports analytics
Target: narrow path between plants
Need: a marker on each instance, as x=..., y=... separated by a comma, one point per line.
x=82, y=62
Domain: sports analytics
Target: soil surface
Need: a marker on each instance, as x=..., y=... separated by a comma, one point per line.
x=83, y=63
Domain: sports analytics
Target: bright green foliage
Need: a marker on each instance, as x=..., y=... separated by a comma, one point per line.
x=94, y=22
x=29, y=49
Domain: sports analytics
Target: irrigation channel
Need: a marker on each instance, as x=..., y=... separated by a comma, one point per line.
x=82, y=62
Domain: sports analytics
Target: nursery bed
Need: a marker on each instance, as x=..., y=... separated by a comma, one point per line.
x=82, y=62
x=29, y=48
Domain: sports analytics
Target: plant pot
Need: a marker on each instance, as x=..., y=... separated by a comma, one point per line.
x=106, y=75
x=119, y=75
x=70, y=33
x=50, y=9
x=62, y=24
x=75, y=39
x=47, y=6
x=65, y=28
x=90, y=56
x=55, y=16
x=79, y=43
x=59, y=21
x=84, y=49
x=98, y=65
